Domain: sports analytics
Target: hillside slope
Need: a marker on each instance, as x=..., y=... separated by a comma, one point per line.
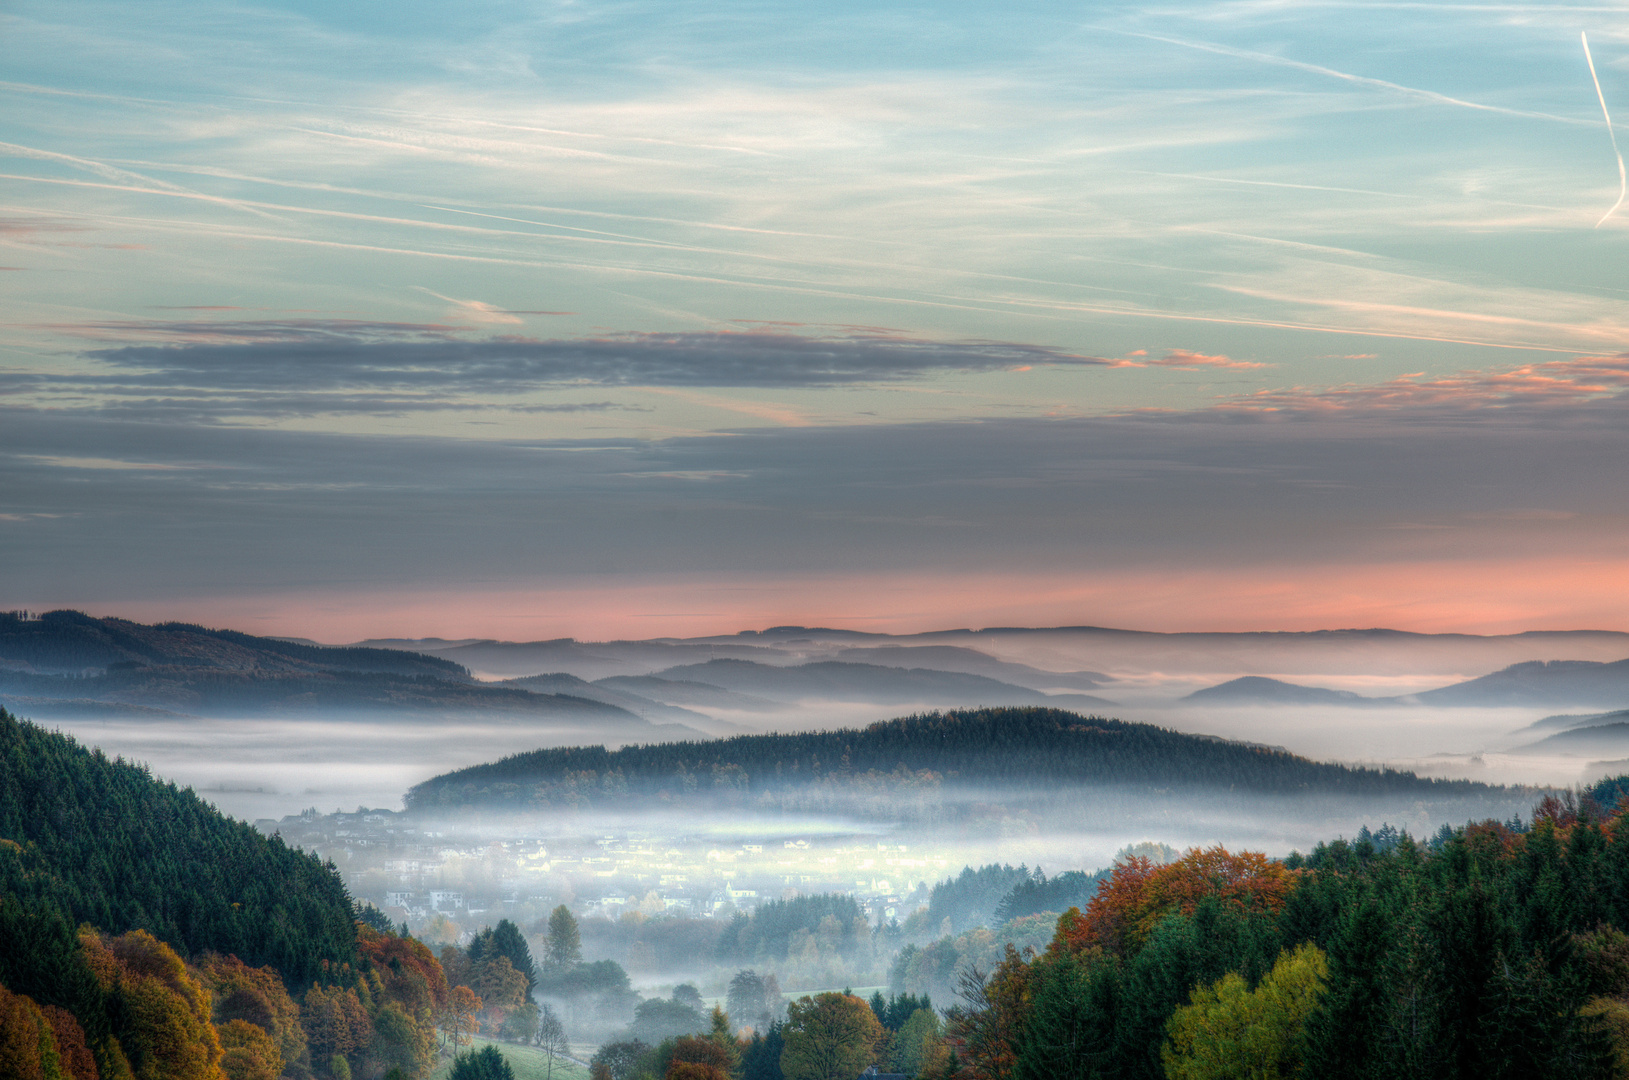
x=102, y=842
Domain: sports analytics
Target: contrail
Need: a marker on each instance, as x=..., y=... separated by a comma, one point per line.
x=1623, y=178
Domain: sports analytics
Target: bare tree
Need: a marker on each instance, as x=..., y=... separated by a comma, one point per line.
x=551, y=1038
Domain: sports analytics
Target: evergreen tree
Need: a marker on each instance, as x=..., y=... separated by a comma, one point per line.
x=483, y=1064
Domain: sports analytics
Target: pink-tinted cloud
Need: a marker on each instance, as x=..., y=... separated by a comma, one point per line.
x=1549, y=383
x=1185, y=360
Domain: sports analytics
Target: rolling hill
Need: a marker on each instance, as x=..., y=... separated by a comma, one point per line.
x=66, y=665
x=1259, y=690
x=1544, y=684
x=1039, y=750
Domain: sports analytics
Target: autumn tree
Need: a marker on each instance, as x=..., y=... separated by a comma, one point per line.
x=497, y=983
x=697, y=1057
x=506, y=940
x=410, y=973
x=917, y=1046
x=335, y=1023
x=829, y=1037
x=1231, y=1032
x=255, y=995
x=987, y=1027
x=164, y=1024
x=28, y=1049
x=78, y=1063
x=248, y=1052
x=1139, y=894
x=459, y=1017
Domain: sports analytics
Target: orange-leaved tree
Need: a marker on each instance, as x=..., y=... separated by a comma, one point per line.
x=78, y=1063
x=256, y=996
x=458, y=1019
x=984, y=1031
x=1139, y=894
x=335, y=1023
x=28, y=1047
x=412, y=976
x=412, y=993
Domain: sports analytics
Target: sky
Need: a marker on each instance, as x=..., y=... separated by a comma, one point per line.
x=524, y=320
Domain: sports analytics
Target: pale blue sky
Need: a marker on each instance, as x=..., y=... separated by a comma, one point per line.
x=587, y=225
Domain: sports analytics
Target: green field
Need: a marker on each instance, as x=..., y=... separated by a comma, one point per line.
x=528, y=1062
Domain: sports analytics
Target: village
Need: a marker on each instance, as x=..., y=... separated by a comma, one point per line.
x=445, y=883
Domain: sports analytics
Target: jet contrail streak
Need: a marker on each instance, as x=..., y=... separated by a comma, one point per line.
x=1623, y=178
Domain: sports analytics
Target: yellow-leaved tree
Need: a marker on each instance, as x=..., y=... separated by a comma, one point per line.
x=1230, y=1031
x=829, y=1036
x=249, y=1053
x=164, y=1028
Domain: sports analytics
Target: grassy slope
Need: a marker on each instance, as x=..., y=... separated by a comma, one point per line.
x=528, y=1062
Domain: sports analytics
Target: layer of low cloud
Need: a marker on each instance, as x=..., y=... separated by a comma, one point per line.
x=289, y=367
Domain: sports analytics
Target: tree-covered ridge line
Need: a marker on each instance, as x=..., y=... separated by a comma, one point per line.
x=72, y=642
x=1029, y=746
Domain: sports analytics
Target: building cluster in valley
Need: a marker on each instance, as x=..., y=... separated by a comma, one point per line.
x=444, y=879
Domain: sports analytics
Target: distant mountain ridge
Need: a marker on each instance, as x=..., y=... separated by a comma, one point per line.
x=839, y=681
x=65, y=665
x=1260, y=690
x=1536, y=683
x=71, y=642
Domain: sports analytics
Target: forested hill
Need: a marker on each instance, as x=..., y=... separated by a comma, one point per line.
x=1035, y=748
x=71, y=642
x=88, y=839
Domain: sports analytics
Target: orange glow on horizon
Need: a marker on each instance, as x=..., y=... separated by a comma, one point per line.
x=1481, y=597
